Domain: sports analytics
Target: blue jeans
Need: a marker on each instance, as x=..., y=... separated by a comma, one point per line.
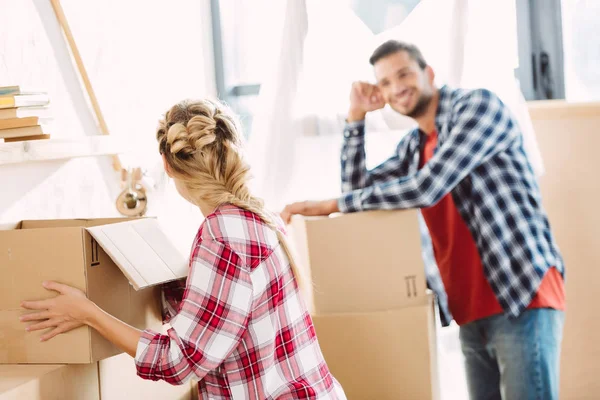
x=513, y=359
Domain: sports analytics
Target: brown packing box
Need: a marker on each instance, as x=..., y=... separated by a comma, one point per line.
x=49, y=382
x=112, y=379
x=568, y=138
x=106, y=258
x=384, y=355
x=118, y=380
x=361, y=262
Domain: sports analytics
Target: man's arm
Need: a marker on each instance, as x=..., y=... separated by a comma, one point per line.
x=355, y=174
x=364, y=98
x=482, y=128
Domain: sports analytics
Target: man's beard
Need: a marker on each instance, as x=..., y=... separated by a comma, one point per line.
x=421, y=107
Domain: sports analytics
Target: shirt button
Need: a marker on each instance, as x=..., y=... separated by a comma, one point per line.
x=355, y=132
x=347, y=134
x=344, y=157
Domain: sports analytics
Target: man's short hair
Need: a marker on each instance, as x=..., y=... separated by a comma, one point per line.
x=394, y=46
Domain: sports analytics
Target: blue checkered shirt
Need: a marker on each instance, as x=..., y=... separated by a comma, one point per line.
x=481, y=161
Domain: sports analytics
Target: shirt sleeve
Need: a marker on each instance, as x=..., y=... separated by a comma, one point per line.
x=355, y=174
x=481, y=127
x=213, y=317
x=172, y=295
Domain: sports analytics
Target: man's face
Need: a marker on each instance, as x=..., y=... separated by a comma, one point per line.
x=404, y=85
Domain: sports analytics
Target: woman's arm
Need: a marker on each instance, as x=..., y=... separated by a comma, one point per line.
x=213, y=317
x=72, y=309
x=171, y=298
x=122, y=335
x=211, y=321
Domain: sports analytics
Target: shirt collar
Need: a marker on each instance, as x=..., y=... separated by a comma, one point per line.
x=444, y=109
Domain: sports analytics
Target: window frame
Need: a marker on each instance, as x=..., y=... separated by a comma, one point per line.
x=226, y=91
x=534, y=35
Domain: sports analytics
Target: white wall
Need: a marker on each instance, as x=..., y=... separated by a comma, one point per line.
x=55, y=189
x=139, y=66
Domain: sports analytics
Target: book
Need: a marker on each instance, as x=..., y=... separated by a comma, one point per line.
x=24, y=138
x=25, y=112
x=24, y=100
x=9, y=90
x=22, y=132
x=4, y=90
x=23, y=122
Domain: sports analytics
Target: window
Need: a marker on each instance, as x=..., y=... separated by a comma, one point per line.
x=541, y=67
x=245, y=36
x=559, y=53
x=581, y=34
x=243, y=45
x=556, y=56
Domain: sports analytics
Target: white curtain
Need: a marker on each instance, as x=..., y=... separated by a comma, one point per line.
x=479, y=51
x=274, y=131
x=297, y=133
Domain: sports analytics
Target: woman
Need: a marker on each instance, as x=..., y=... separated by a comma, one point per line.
x=240, y=326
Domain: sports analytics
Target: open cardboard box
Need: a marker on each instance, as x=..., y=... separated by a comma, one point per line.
x=116, y=262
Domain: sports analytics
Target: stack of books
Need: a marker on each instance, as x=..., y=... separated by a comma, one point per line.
x=24, y=115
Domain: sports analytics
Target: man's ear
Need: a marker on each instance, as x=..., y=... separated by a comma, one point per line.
x=166, y=166
x=430, y=74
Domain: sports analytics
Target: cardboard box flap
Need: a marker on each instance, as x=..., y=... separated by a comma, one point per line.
x=142, y=251
x=71, y=223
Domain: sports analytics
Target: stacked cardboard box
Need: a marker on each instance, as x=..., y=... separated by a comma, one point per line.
x=373, y=316
x=118, y=264
x=49, y=382
x=568, y=184
x=110, y=379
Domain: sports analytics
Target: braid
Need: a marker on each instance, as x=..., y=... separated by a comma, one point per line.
x=201, y=142
x=255, y=206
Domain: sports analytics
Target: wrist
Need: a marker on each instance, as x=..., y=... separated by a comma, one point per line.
x=333, y=206
x=355, y=115
x=90, y=313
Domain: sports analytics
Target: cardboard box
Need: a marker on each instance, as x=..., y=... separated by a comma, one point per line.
x=361, y=262
x=49, y=382
x=112, y=379
x=119, y=380
x=568, y=137
x=384, y=355
x=107, y=259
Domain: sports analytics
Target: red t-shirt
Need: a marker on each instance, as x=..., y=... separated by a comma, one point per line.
x=470, y=296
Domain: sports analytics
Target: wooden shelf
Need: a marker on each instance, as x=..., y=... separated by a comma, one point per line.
x=58, y=149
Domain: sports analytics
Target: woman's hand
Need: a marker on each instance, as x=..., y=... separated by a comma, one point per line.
x=69, y=310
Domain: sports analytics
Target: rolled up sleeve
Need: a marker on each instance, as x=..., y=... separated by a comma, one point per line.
x=212, y=318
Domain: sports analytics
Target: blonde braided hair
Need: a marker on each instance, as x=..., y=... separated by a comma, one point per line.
x=203, y=148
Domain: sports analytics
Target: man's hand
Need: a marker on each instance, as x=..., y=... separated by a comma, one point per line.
x=309, y=208
x=364, y=98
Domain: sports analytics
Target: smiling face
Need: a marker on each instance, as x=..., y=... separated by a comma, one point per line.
x=405, y=86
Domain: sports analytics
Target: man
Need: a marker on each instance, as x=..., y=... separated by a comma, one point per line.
x=466, y=169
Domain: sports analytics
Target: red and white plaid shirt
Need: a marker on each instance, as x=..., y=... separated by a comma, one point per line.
x=241, y=327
